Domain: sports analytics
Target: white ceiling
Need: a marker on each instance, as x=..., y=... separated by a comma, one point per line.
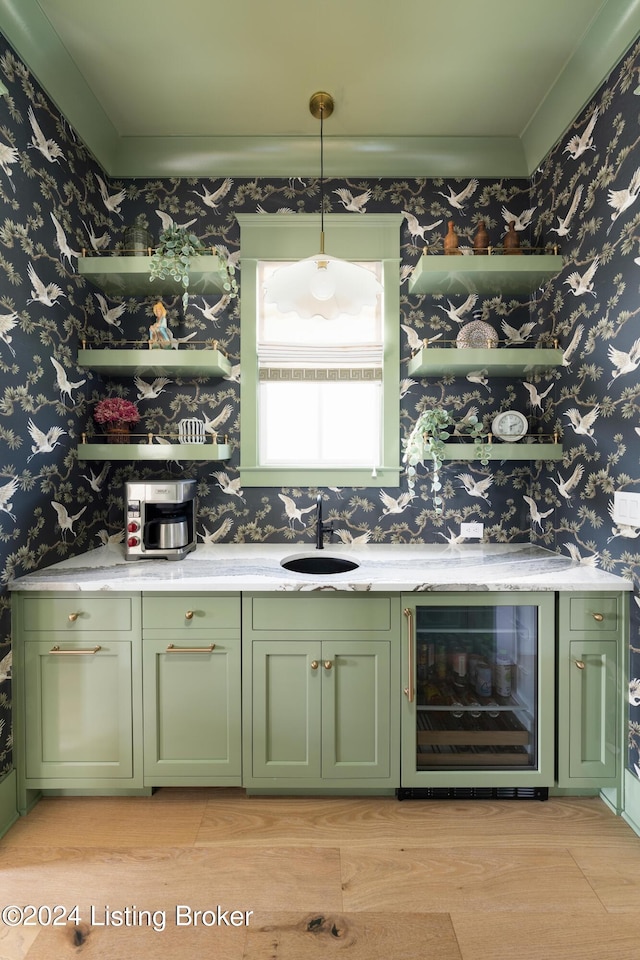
x=168, y=86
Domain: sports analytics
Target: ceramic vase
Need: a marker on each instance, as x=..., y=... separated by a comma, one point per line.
x=451, y=240
x=511, y=243
x=481, y=240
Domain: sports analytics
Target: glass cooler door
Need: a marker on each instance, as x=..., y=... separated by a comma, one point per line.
x=477, y=691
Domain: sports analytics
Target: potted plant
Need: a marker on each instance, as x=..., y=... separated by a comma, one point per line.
x=172, y=257
x=427, y=441
x=117, y=416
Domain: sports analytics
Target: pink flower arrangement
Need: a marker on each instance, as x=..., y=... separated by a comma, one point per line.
x=116, y=410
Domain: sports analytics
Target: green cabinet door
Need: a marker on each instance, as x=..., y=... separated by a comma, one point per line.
x=591, y=629
x=192, y=712
x=356, y=702
x=321, y=693
x=79, y=717
x=285, y=715
x=588, y=736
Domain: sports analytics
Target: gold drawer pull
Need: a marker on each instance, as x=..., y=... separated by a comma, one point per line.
x=599, y=617
x=171, y=648
x=314, y=664
x=328, y=664
x=73, y=617
x=189, y=615
x=74, y=653
x=579, y=664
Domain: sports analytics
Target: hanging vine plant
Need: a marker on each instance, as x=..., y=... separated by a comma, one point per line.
x=427, y=441
x=172, y=257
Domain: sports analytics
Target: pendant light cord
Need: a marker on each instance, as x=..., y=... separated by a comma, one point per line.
x=321, y=181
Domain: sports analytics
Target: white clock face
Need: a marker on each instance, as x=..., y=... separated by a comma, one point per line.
x=510, y=425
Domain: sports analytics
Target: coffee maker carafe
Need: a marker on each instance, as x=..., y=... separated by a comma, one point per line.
x=160, y=519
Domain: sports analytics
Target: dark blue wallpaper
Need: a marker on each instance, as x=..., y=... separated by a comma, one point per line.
x=56, y=201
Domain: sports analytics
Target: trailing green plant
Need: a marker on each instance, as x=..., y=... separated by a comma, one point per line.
x=172, y=257
x=427, y=441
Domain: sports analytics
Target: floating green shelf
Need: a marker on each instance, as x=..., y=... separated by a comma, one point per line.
x=497, y=273
x=176, y=363
x=499, y=362
x=506, y=451
x=130, y=277
x=154, y=451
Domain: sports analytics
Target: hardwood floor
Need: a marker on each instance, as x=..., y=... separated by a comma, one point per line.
x=311, y=878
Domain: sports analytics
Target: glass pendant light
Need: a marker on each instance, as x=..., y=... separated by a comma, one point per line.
x=322, y=285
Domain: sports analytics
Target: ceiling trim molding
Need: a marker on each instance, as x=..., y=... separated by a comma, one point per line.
x=35, y=41
x=300, y=156
x=33, y=38
x=610, y=35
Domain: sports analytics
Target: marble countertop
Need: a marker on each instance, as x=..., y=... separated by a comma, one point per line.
x=392, y=568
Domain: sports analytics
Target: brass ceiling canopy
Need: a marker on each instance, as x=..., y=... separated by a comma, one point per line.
x=321, y=105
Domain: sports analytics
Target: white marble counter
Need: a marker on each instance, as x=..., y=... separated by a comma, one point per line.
x=392, y=568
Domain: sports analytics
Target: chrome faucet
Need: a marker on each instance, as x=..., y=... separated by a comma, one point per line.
x=321, y=528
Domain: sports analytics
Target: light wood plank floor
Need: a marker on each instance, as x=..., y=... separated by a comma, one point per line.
x=312, y=878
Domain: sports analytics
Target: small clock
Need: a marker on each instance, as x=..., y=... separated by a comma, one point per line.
x=509, y=425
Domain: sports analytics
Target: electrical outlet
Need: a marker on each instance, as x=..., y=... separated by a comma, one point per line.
x=472, y=530
x=626, y=508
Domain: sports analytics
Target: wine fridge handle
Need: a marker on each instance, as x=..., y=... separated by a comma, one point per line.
x=409, y=691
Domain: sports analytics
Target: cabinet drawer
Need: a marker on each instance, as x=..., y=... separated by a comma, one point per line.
x=190, y=611
x=299, y=612
x=597, y=613
x=76, y=613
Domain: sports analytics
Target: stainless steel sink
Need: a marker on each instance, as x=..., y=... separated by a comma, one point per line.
x=319, y=564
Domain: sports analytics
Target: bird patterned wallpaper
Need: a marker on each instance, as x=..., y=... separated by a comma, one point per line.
x=56, y=202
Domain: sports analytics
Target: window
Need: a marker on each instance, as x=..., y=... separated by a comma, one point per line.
x=319, y=398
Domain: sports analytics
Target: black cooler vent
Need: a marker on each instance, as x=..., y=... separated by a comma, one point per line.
x=472, y=793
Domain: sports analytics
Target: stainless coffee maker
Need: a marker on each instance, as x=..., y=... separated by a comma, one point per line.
x=160, y=519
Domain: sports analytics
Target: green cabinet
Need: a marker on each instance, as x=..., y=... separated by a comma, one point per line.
x=81, y=712
x=78, y=708
x=591, y=628
x=321, y=693
x=332, y=692
x=191, y=689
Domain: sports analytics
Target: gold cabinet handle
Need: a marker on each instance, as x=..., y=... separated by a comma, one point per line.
x=74, y=653
x=73, y=617
x=599, y=617
x=409, y=691
x=314, y=664
x=171, y=648
x=579, y=664
x=328, y=664
x=189, y=615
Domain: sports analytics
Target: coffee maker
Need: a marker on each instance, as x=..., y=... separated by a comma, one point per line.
x=160, y=519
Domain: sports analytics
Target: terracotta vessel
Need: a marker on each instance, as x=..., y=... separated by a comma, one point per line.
x=511, y=243
x=481, y=240
x=451, y=240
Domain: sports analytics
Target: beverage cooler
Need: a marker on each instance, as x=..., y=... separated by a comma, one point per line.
x=478, y=705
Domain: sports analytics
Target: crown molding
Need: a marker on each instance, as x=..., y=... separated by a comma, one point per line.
x=31, y=35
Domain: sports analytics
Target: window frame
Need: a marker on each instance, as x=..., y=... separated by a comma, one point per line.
x=293, y=237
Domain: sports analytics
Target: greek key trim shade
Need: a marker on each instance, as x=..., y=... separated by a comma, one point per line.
x=319, y=374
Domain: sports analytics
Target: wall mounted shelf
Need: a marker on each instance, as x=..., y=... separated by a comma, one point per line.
x=154, y=451
x=506, y=451
x=129, y=276
x=498, y=362
x=490, y=275
x=176, y=363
